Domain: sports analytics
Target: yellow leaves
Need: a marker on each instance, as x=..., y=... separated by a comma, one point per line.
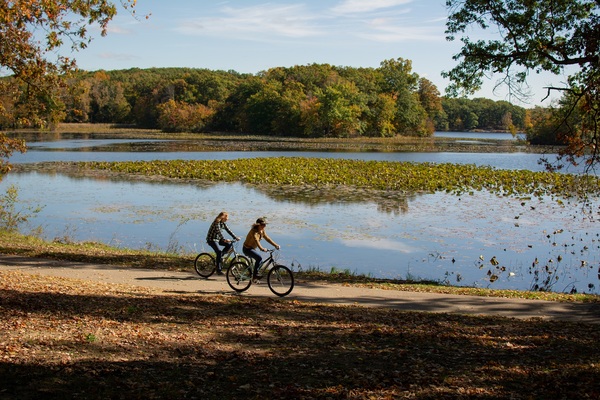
x=27, y=56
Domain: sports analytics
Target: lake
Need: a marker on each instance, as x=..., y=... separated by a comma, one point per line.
x=474, y=240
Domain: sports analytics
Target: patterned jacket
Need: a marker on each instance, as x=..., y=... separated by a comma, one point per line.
x=214, y=232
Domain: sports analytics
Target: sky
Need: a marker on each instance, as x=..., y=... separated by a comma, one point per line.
x=249, y=36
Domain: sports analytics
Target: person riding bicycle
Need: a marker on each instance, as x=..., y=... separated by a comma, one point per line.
x=215, y=238
x=252, y=242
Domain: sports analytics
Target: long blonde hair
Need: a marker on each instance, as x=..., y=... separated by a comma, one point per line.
x=222, y=215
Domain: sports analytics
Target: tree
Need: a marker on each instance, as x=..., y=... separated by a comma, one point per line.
x=340, y=109
x=178, y=116
x=263, y=107
x=540, y=129
x=399, y=81
x=29, y=57
x=535, y=36
x=31, y=32
x=107, y=101
x=380, y=116
x=429, y=96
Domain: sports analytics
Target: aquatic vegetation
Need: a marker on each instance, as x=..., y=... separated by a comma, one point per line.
x=404, y=177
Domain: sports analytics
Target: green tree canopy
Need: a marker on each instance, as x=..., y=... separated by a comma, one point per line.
x=535, y=36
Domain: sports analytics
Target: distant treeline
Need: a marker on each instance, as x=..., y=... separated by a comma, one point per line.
x=317, y=100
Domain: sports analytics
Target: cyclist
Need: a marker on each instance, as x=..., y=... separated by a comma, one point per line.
x=252, y=242
x=215, y=238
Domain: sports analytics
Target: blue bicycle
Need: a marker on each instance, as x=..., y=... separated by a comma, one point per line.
x=279, y=277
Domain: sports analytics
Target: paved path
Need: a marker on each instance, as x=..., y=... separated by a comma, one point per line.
x=189, y=282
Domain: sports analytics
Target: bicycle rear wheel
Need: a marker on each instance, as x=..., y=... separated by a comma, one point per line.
x=205, y=265
x=239, y=276
x=280, y=280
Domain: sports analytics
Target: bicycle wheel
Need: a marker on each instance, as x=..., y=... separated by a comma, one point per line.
x=205, y=265
x=239, y=276
x=280, y=280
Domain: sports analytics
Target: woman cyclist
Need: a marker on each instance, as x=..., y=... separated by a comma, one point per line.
x=215, y=238
x=252, y=242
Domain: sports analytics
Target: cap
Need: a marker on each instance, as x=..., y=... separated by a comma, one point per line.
x=261, y=221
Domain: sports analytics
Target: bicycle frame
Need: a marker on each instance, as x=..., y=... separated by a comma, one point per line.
x=267, y=263
x=231, y=254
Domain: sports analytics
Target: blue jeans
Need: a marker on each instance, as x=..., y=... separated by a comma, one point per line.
x=253, y=254
x=219, y=253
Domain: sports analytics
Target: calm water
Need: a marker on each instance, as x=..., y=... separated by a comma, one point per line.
x=143, y=149
x=501, y=161
x=439, y=237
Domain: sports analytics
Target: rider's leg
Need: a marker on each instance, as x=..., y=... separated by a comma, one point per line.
x=227, y=245
x=252, y=253
x=218, y=253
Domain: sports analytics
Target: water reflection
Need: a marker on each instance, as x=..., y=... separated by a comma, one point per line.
x=390, y=203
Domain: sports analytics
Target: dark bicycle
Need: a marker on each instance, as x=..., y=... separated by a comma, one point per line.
x=279, y=277
x=205, y=264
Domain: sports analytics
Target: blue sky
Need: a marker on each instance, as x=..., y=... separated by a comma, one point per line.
x=255, y=35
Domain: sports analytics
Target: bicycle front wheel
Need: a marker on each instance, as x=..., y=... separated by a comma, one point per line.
x=205, y=265
x=280, y=280
x=242, y=259
x=239, y=276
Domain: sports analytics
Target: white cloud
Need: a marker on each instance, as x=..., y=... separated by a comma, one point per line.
x=384, y=21
x=362, y=6
x=267, y=20
x=117, y=56
x=118, y=30
x=384, y=30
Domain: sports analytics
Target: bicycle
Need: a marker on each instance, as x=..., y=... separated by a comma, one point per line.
x=205, y=264
x=279, y=277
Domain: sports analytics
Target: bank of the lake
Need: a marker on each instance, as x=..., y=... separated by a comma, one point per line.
x=394, y=234
x=91, y=253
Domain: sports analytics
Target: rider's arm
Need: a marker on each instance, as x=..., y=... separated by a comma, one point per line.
x=257, y=237
x=229, y=230
x=268, y=239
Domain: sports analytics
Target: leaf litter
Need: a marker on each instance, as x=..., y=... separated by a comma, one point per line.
x=60, y=337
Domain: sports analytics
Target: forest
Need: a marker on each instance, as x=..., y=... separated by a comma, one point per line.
x=317, y=100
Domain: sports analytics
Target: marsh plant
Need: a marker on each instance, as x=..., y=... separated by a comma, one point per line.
x=14, y=215
x=90, y=338
x=68, y=236
x=173, y=246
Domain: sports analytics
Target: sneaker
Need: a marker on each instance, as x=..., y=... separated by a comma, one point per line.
x=220, y=272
